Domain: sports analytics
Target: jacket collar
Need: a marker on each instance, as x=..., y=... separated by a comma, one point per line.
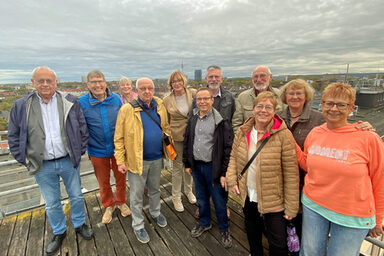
x=303, y=117
x=216, y=115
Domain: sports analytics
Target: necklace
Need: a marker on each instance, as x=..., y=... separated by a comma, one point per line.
x=289, y=112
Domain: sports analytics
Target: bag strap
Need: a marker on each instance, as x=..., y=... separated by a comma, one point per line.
x=146, y=112
x=253, y=157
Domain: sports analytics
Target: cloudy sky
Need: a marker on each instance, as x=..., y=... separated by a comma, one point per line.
x=153, y=37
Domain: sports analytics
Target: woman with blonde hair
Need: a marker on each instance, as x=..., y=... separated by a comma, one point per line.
x=126, y=92
x=178, y=104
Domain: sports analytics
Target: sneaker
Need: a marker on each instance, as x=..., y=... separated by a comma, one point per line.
x=226, y=239
x=198, y=230
x=160, y=220
x=124, y=210
x=107, y=217
x=178, y=205
x=142, y=235
x=191, y=198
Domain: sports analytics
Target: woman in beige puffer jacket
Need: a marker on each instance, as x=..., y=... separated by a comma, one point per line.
x=269, y=189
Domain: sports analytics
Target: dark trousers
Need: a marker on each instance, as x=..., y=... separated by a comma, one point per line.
x=273, y=224
x=206, y=188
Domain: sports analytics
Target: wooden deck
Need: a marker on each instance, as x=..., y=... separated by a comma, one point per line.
x=28, y=233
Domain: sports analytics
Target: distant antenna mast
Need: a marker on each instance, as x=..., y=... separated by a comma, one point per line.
x=346, y=74
x=182, y=65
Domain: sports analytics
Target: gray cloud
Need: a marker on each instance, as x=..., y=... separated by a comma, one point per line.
x=152, y=37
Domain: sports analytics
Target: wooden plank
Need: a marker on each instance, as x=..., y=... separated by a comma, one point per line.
x=86, y=247
x=175, y=221
x=35, y=242
x=48, y=235
x=138, y=248
x=69, y=245
x=207, y=239
x=20, y=235
x=6, y=230
x=118, y=238
x=102, y=238
x=168, y=235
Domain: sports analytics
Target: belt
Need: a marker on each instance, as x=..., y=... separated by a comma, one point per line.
x=55, y=159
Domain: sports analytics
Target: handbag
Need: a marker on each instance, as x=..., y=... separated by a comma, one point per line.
x=253, y=157
x=170, y=149
x=293, y=241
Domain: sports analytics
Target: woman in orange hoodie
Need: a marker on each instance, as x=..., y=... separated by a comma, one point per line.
x=343, y=193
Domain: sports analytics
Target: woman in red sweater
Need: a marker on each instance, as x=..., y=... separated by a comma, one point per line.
x=343, y=193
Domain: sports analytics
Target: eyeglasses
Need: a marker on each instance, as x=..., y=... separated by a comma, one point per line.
x=96, y=82
x=298, y=94
x=177, y=81
x=146, y=88
x=203, y=99
x=330, y=104
x=42, y=81
x=268, y=108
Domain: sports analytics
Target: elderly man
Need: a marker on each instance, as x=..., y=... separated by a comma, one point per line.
x=101, y=107
x=207, y=147
x=139, y=151
x=261, y=78
x=224, y=101
x=48, y=134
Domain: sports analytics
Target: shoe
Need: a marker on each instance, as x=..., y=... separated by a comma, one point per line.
x=178, y=205
x=191, y=198
x=198, y=230
x=142, y=235
x=55, y=243
x=107, y=217
x=124, y=210
x=226, y=239
x=161, y=220
x=85, y=231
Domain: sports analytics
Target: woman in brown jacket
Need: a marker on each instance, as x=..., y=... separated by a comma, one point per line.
x=178, y=104
x=269, y=189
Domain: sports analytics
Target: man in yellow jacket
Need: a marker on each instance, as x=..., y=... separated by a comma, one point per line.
x=139, y=151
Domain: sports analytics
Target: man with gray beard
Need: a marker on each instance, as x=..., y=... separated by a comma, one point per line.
x=261, y=78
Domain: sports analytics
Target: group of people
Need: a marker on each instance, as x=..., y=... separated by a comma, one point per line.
x=285, y=161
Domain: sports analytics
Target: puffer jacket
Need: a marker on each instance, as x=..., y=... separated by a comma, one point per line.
x=277, y=171
x=177, y=121
x=244, y=106
x=129, y=135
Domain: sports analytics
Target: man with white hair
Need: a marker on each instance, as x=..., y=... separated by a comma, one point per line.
x=261, y=78
x=139, y=151
x=47, y=133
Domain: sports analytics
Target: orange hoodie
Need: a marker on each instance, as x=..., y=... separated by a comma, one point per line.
x=345, y=171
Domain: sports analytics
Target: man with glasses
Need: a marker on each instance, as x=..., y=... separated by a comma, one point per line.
x=48, y=134
x=101, y=107
x=261, y=78
x=207, y=147
x=139, y=150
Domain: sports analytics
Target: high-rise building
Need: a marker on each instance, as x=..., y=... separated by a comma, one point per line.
x=198, y=74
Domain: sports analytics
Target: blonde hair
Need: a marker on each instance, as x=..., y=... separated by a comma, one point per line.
x=177, y=74
x=297, y=84
x=339, y=90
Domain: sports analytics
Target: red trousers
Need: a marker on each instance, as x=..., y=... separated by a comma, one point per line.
x=102, y=167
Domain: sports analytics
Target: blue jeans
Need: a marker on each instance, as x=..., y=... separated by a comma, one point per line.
x=343, y=241
x=48, y=179
x=205, y=187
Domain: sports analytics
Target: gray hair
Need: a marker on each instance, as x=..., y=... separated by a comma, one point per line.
x=144, y=78
x=263, y=66
x=42, y=67
x=95, y=73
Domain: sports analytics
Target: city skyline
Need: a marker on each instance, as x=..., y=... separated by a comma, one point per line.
x=152, y=38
